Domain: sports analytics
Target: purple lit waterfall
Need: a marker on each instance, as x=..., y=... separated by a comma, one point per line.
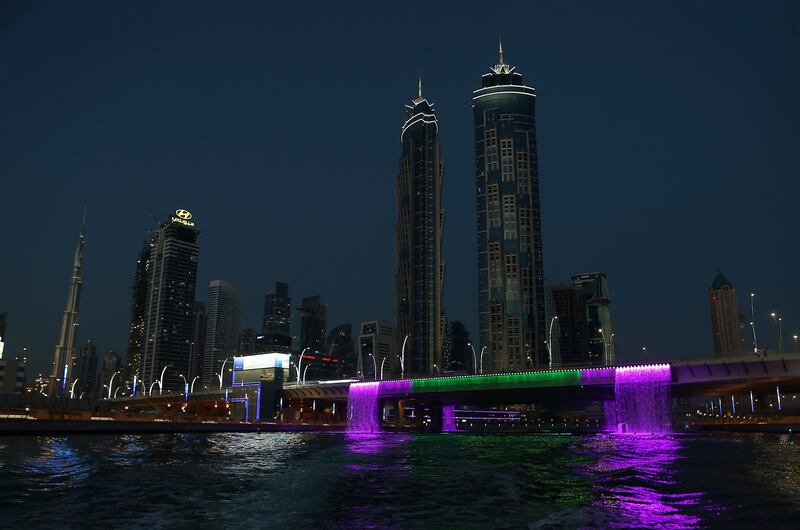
x=448, y=418
x=642, y=398
x=362, y=408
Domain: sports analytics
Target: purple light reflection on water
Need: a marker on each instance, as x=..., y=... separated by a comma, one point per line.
x=637, y=477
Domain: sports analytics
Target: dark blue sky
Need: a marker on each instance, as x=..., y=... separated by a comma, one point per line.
x=668, y=140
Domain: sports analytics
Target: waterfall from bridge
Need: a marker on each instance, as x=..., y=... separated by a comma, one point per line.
x=643, y=398
x=362, y=408
x=448, y=418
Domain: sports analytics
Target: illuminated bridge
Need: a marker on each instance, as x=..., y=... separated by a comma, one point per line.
x=638, y=397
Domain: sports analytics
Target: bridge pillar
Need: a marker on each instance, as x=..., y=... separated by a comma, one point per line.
x=400, y=413
x=435, y=410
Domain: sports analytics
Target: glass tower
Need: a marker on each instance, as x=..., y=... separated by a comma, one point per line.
x=510, y=270
x=420, y=222
x=169, y=308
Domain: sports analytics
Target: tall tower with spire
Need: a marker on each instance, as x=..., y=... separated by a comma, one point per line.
x=510, y=263
x=419, y=279
x=67, y=347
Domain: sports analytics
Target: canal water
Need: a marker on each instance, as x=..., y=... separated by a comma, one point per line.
x=459, y=481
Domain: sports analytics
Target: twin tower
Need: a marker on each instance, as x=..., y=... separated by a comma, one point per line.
x=510, y=277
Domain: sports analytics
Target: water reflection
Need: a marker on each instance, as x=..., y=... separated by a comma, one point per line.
x=636, y=477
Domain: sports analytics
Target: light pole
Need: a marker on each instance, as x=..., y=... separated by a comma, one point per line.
x=605, y=353
x=550, y=341
x=777, y=320
x=753, y=321
x=161, y=381
x=117, y=390
x=111, y=383
x=191, y=387
x=795, y=342
x=403, y=358
x=154, y=383
x=72, y=388
x=185, y=388
x=304, y=373
x=474, y=359
x=482, y=350
x=221, y=371
x=299, y=364
x=374, y=367
x=384, y=362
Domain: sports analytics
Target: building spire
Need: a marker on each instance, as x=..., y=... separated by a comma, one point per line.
x=419, y=88
x=501, y=61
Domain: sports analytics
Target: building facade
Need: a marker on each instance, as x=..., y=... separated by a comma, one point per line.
x=141, y=290
x=278, y=318
x=197, y=346
x=340, y=350
x=580, y=323
x=168, y=312
x=67, y=347
x=376, y=342
x=726, y=321
x=222, y=327
x=510, y=263
x=313, y=319
x=419, y=279
x=85, y=370
x=12, y=375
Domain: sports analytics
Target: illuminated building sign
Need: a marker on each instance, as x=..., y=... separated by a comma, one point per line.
x=261, y=361
x=182, y=217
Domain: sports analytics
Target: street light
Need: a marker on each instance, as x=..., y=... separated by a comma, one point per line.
x=753, y=321
x=304, y=373
x=191, y=387
x=384, y=362
x=403, y=358
x=185, y=388
x=374, y=367
x=72, y=389
x=777, y=320
x=482, y=350
x=221, y=371
x=111, y=383
x=161, y=381
x=550, y=341
x=474, y=359
x=605, y=353
x=795, y=342
x=150, y=392
x=299, y=364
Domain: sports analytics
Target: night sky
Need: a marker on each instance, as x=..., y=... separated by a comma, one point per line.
x=668, y=147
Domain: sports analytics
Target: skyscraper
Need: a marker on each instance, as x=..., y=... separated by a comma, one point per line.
x=85, y=371
x=66, y=349
x=581, y=320
x=171, y=284
x=376, y=342
x=510, y=269
x=313, y=319
x=593, y=289
x=726, y=321
x=420, y=223
x=278, y=318
x=141, y=289
x=340, y=350
x=222, y=326
x=196, y=349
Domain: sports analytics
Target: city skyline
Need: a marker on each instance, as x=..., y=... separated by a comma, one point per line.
x=116, y=224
